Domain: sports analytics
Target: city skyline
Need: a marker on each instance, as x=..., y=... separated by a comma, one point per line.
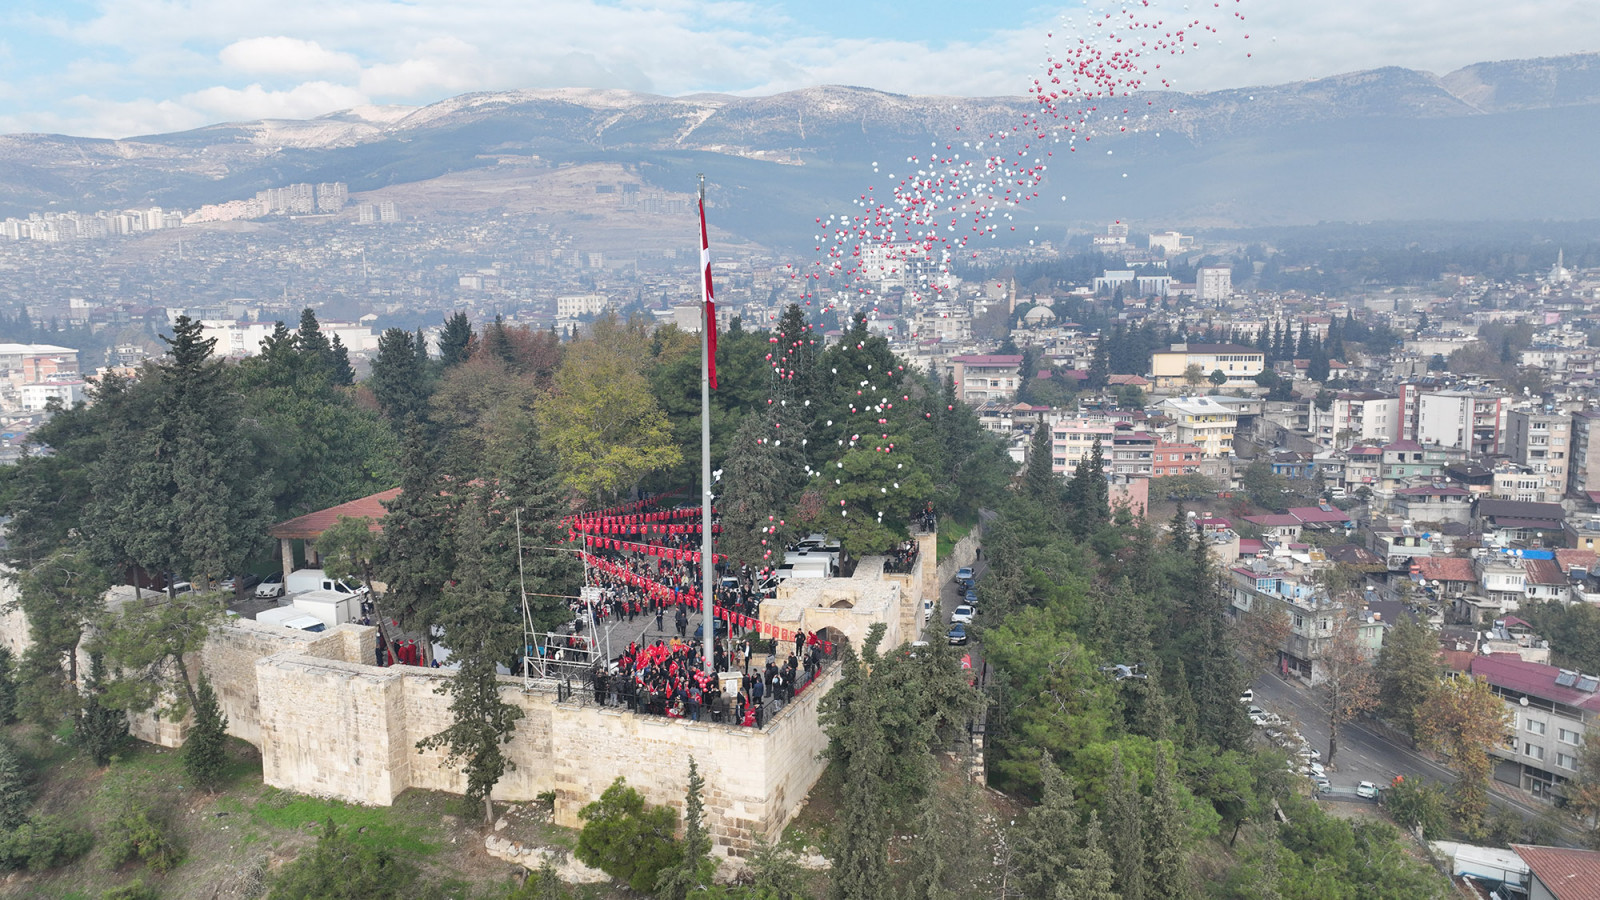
x=119, y=68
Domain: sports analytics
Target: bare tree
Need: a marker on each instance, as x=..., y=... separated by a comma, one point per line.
x=1347, y=685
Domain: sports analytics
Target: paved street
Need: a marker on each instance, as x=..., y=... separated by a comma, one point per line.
x=1365, y=755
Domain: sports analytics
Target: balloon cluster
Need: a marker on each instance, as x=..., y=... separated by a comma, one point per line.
x=965, y=188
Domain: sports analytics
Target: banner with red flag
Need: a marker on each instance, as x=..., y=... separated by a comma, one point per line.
x=711, y=306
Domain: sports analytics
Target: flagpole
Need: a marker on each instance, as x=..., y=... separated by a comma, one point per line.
x=707, y=341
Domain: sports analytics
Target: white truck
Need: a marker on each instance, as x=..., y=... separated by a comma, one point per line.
x=318, y=580
x=289, y=617
x=330, y=607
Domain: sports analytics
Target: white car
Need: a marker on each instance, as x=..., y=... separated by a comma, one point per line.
x=1315, y=770
x=1368, y=790
x=962, y=616
x=1307, y=751
x=1249, y=696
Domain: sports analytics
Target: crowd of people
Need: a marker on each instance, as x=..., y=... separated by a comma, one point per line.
x=666, y=678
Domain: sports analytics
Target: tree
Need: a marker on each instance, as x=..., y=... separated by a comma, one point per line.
x=1408, y=668
x=15, y=798
x=1039, y=480
x=626, y=839
x=101, y=729
x=1583, y=791
x=1348, y=686
x=8, y=687
x=1264, y=487
x=1124, y=809
x=759, y=479
x=602, y=420
x=60, y=596
x=145, y=649
x=205, y=751
x=347, y=550
x=695, y=868
x=1166, y=838
x=775, y=873
x=1218, y=378
x=1412, y=804
x=1463, y=718
x=314, y=347
x=340, y=867
x=398, y=380
x=455, y=340
x=1060, y=857
x=1193, y=374
x=339, y=370
x=1317, y=367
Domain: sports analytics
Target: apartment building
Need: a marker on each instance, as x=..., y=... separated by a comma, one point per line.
x=1551, y=709
x=1202, y=421
x=1239, y=364
x=1462, y=420
x=982, y=378
x=1356, y=417
x=1541, y=440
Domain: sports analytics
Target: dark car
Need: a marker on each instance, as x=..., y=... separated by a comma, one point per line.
x=958, y=634
x=719, y=629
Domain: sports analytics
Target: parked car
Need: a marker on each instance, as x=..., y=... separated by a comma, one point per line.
x=1249, y=696
x=962, y=616
x=1307, y=751
x=957, y=634
x=1321, y=784
x=1368, y=790
x=1315, y=770
x=964, y=575
x=970, y=598
x=233, y=582
x=927, y=609
x=270, y=586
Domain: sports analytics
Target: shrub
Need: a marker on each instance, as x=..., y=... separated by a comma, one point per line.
x=626, y=839
x=42, y=844
x=134, y=890
x=338, y=868
x=135, y=835
x=205, y=754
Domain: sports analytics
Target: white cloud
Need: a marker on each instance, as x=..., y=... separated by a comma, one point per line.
x=284, y=56
x=313, y=98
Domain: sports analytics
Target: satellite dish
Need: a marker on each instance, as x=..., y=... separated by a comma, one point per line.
x=1524, y=700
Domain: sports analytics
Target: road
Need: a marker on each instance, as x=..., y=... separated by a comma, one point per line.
x=1364, y=754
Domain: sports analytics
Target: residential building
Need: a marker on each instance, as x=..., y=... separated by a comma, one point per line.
x=1356, y=417
x=1506, y=523
x=1434, y=503
x=1406, y=460
x=1072, y=441
x=1517, y=482
x=1240, y=365
x=1542, y=441
x=34, y=397
x=1314, y=620
x=1583, y=469
x=987, y=377
x=1202, y=421
x=1363, y=467
x=33, y=363
x=1175, y=459
x=1462, y=420
x=1560, y=873
x=1213, y=283
x=1132, y=452
x=1551, y=709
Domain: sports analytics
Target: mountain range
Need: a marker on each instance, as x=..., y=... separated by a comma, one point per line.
x=1492, y=141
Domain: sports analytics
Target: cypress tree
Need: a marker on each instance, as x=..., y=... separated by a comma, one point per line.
x=696, y=869
x=1125, y=823
x=1039, y=480
x=1048, y=843
x=205, y=755
x=455, y=340
x=1165, y=876
x=340, y=371
x=15, y=798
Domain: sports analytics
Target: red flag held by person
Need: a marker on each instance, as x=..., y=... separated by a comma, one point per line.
x=711, y=306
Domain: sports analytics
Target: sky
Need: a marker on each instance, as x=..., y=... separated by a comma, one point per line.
x=119, y=68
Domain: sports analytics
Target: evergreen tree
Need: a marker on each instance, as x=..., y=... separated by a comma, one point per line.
x=397, y=380
x=1302, y=348
x=759, y=481
x=15, y=798
x=101, y=729
x=1049, y=842
x=455, y=340
x=697, y=868
x=859, y=850
x=1125, y=825
x=1318, y=368
x=1164, y=828
x=1180, y=529
x=1408, y=667
x=1095, y=875
x=312, y=344
x=497, y=343
x=8, y=687
x=280, y=355
x=59, y=598
x=418, y=552
x=1099, y=367
x=1039, y=481
x=481, y=630
x=205, y=752
x=340, y=371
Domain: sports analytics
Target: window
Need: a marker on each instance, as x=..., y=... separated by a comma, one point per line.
x=1568, y=736
x=1566, y=761
x=1535, y=727
x=1534, y=750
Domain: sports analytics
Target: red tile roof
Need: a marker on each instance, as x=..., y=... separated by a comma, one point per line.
x=312, y=525
x=1445, y=568
x=1575, y=559
x=1567, y=874
x=1543, y=571
x=1510, y=671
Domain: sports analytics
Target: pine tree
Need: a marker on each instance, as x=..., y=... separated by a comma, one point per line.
x=397, y=380
x=455, y=340
x=859, y=850
x=1096, y=873
x=697, y=868
x=759, y=481
x=340, y=371
x=101, y=729
x=15, y=798
x=1125, y=824
x=1048, y=844
x=1180, y=529
x=205, y=753
x=1165, y=875
x=8, y=687
x=312, y=344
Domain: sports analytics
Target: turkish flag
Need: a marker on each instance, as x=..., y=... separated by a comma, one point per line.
x=711, y=306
